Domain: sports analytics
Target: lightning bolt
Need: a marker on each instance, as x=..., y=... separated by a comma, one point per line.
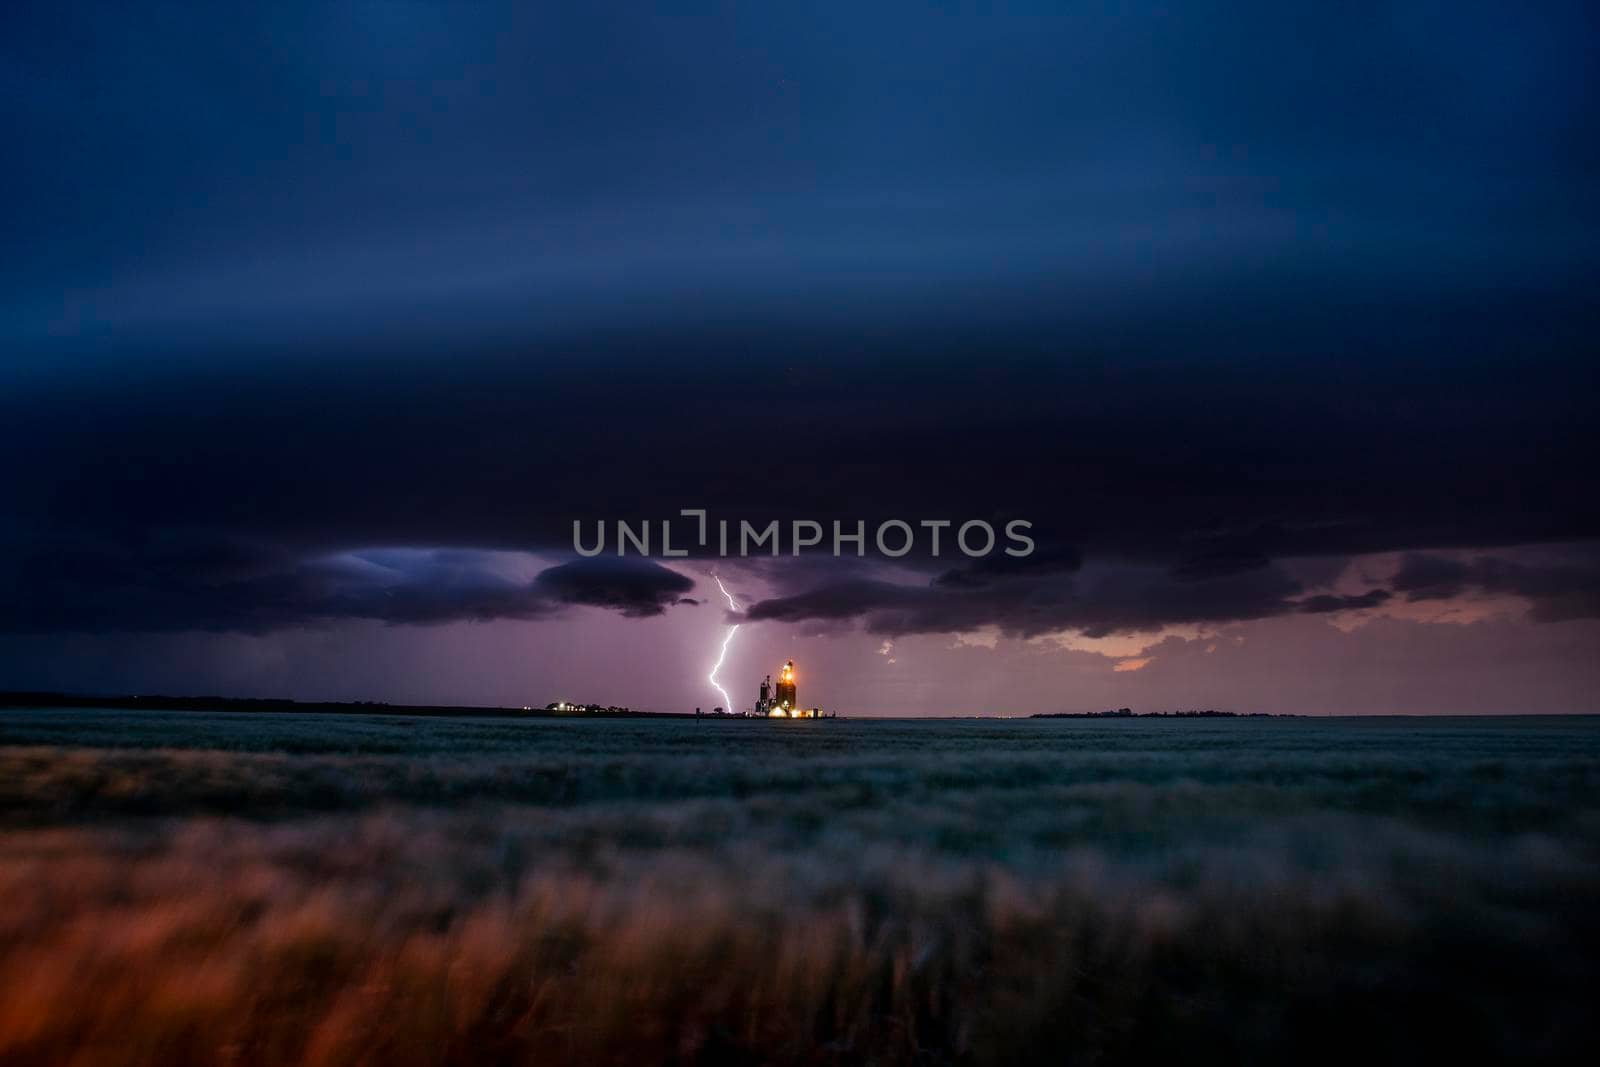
x=726, y=641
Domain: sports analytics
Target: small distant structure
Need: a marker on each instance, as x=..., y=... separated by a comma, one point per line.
x=570, y=707
x=782, y=700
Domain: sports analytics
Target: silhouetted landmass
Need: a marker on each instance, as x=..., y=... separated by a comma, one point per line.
x=561, y=709
x=553, y=710
x=1129, y=713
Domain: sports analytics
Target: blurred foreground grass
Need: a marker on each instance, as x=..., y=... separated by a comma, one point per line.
x=185, y=889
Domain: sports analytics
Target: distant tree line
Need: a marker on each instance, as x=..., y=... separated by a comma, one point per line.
x=1129, y=713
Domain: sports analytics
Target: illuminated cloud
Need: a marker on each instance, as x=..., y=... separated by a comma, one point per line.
x=1250, y=352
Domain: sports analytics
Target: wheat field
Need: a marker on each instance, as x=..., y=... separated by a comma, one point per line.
x=279, y=889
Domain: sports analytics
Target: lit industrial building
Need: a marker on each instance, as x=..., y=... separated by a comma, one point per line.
x=782, y=701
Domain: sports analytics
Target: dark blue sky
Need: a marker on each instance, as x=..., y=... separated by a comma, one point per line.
x=1243, y=305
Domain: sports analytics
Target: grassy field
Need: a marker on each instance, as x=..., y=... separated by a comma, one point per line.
x=279, y=889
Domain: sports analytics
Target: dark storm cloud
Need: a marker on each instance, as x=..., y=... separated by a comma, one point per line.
x=1193, y=291
x=188, y=581
x=1426, y=577
x=635, y=587
x=1560, y=584
x=1558, y=589
x=1095, y=603
x=1044, y=560
x=1324, y=603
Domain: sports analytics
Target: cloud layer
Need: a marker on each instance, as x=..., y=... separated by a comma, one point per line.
x=1213, y=299
x=183, y=583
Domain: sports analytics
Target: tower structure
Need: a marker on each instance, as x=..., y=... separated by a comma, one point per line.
x=785, y=695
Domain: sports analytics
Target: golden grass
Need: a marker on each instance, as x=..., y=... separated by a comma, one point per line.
x=271, y=890
x=410, y=937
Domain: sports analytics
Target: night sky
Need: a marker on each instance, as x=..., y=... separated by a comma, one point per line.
x=321, y=323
